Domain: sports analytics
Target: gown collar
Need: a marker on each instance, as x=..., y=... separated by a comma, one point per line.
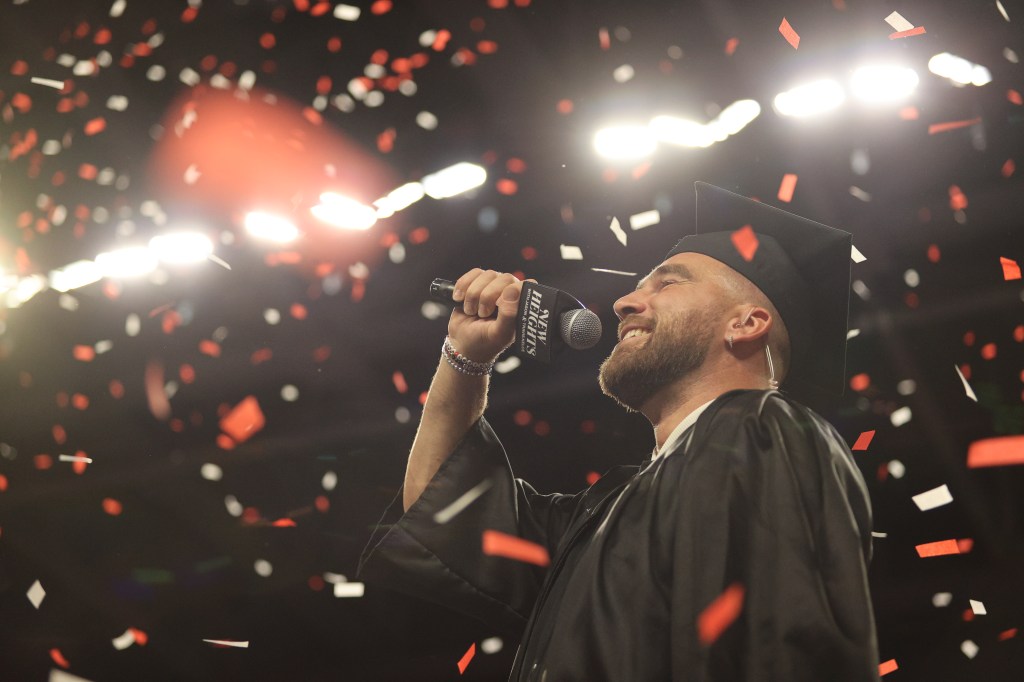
x=673, y=438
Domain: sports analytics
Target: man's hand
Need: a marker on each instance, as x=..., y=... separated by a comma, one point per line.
x=472, y=329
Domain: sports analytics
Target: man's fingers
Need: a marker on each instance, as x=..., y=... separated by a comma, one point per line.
x=463, y=283
x=494, y=291
x=471, y=302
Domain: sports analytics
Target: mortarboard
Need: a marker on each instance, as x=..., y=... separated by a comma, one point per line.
x=803, y=267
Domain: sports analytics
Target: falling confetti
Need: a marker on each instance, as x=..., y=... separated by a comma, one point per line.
x=466, y=499
x=940, y=548
x=898, y=22
x=639, y=221
x=1011, y=270
x=500, y=544
x=936, y=497
x=347, y=590
x=36, y=594
x=787, y=187
x=466, y=658
x=863, y=441
x=977, y=607
x=745, y=241
x=245, y=420
x=617, y=230
x=952, y=125
x=228, y=643
x=887, y=667
x=789, y=34
x=900, y=416
x=995, y=452
x=720, y=614
x=967, y=387
x=908, y=33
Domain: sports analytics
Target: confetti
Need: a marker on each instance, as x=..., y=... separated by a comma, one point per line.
x=786, y=188
x=930, y=499
x=73, y=458
x=942, y=599
x=1011, y=269
x=789, y=34
x=639, y=221
x=511, y=547
x=978, y=607
x=745, y=241
x=720, y=614
x=124, y=640
x=906, y=34
x=969, y=648
x=346, y=12
x=615, y=272
x=730, y=46
x=900, y=416
x=244, y=420
x=952, y=125
x=940, y=548
x=995, y=452
x=887, y=667
x=349, y=590
x=967, y=387
x=1007, y=634
x=58, y=658
x=617, y=230
x=855, y=255
x=61, y=676
x=570, y=252
x=466, y=658
x=860, y=194
x=466, y=499
x=49, y=82
x=1002, y=10
x=36, y=594
x=228, y=643
x=491, y=645
x=156, y=394
x=863, y=440
x=898, y=23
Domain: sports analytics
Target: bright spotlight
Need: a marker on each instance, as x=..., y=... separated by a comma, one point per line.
x=881, y=84
x=625, y=143
x=397, y=199
x=76, y=275
x=132, y=261
x=25, y=289
x=959, y=70
x=738, y=116
x=341, y=211
x=274, y=228
x=680, y=131
x=453, y=180
x=810, y=99
x=181, y=247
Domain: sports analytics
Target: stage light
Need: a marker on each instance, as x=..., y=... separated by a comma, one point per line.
x=810, y=99
x=76, y=275
x=340, y=211
x=881, y=84
x=24, y=289
x=959, y=70
x=399, y=198
x=181, y=247
x=737, y=116
x=132, y=261
x=263, y=225
x=680, y=131
x=453, y=180
x=625, y=142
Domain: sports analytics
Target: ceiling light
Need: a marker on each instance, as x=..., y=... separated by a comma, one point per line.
x=263, y=225
x=341, y=211
x=810, y=99
x=881, y=84
x=625, y=142
x=399, y=198
x=453, y=180
x=181, y=247
x=959, y=70
x=76, y=275
x=131, y=261
x=680, y=131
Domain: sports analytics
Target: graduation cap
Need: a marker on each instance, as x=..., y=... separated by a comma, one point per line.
x=803, y=267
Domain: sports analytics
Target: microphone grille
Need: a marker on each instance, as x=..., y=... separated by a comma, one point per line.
x=581, y=329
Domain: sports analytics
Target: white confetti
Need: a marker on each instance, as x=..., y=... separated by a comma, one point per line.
x=877, y=534
x=906, y=387
x=263, y=568
x=507, y=365
x=124, y=641
x=247, y=80
x=74, y=458
x=859, y=193
x=192, y=174
x=898, y=23
x=896, y=468
x=228, y=642
x=187, y=76
x=491, y=645
x=930, y=499
x=132, y=325
x=84, y=67
x=855, y=255
x=901, y=416
x=347, y=13
x=68, y=302
x=117, y=9
x=1010, y=56
x=639, y=221
x=117, y=102
x=103, y=346
x=329, y=481
x=61, y=676
x=466, y=499
x=211, y=472
x=402, y=414
x=942, y=599
x=617, y=230
x=426, y=120
x=571, y=252
x=911, y=278
x=1002, y=10
x=432, y=310
x=978, y=607
x=234, y=507
x=853, y=333
x=969, y=648
x=615, y=272
x=48, y=82
x=349, y=589
x=623, y=73
x=967, y=387
x=289, y=393
x=334, y=578
x=36, y=594
x=213, y=258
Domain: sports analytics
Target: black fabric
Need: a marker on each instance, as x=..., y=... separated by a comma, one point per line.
x=760, y=492
x=802, y=266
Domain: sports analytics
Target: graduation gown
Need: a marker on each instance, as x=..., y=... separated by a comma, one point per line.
x=761, y=492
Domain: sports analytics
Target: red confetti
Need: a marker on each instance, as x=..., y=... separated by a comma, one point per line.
x=564, y=106
x=321, y=8
x=720, y=614
x=1014, y=97
x=593, y=477
x=789, y=34
x=267, y=41
x=940, y=548
x=102, y=36
x=542, y=428
x=887, y=667
x=441, y=39
x=1011, y=270
x=952, y=125
x=79, y=401
x=43, y=462
x=224, y=442
x=116, y=389
x=996, y=452
x=730, y=46
x=933, y=253
x=59, y=659
x=507, y=186
x=522, y=418
x=965, y=545
x=859, y=382
x=957, y=199
x=604, y=39
x=745, y=242
x=916, y=31
x=83, y=353
x=863, y=441
x=988, y=351
x=487, y=47
x=381, y=7
x=3, y=483
x=1007, y=634
x=511, y=547
x=298, y=311
x=21, y=102
x=189, y=14
x=187, y=373
x=244, y=420
x=112, y=506
x=787, y=187
x=466, y=658
x=419, y=235
x=211, y=348
x=1008, y=168
x=398, y=379
x=910, y=113
x=284, y=523
x=87, y=171
x=260, y=356
x=1018, y=336
x=156, y=397
x=140, y=637
x=322, y=504
x=60, y=436
x=19, y=67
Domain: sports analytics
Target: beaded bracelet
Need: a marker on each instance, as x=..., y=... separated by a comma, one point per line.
x=461, y=363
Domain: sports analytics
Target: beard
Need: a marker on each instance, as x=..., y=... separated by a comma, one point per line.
x=632, y=374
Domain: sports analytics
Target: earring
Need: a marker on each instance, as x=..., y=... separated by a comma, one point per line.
x=730, y=341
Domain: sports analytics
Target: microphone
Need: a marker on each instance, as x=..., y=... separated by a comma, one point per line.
x=539, y=305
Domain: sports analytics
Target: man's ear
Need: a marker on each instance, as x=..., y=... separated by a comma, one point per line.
x=753, y=324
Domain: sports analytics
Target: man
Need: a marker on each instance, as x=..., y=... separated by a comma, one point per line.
x=739, y=551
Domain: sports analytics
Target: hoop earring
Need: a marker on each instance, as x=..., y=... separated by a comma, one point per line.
x=772, y=383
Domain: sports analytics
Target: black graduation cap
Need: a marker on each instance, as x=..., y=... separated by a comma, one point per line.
x=803, y=267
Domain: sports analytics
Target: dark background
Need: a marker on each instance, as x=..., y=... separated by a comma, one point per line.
x=175, y=564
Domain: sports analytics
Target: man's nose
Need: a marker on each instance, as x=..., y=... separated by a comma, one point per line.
x=630, y=304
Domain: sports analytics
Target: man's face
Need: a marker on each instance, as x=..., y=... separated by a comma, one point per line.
x=667, y=327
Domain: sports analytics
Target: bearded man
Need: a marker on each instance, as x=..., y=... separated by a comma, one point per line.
x=738, y=551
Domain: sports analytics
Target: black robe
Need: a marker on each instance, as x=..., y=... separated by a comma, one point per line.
x=761, y=492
